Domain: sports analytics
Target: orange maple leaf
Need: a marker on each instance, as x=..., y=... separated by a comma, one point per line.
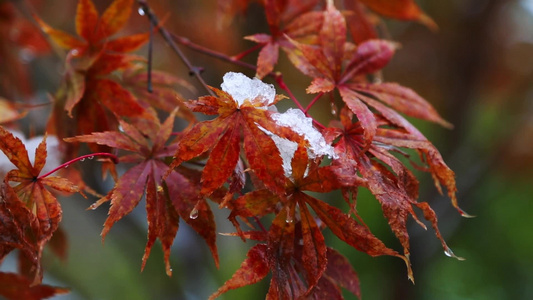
x=31, y=187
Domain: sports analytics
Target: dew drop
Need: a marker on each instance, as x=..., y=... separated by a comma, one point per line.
x=194, y=214
x=65, y=166
x=288, y=218
x=83, y=159
x=141, y=11
x=448, y=252
x=93, y=207
x=333, y=109
x=91, y=157
x=75, y=52
x=160, y=188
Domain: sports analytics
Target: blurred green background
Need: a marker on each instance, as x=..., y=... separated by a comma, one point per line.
x=477, y=70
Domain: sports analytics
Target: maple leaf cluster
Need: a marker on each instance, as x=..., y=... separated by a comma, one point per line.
x=248, y=158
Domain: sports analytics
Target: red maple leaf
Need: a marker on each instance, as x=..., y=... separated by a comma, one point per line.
x=19, y=227
x=395, y=188
x=362, y=22
x=89, y=98
x=242, y=115
x=8, y=112
x=31, y=191
x=295, y=249
x=14, y=286
x=399, y=9
x=166, y=201
x=337, y=65
x=339, y=273
x=286, y=19
x=95, y=30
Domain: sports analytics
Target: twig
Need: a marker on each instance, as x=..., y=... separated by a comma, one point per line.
x=313, y=102
x=170, y=41
x=150, y=61
x=201, y=49
x=260, y=224
x=283, y=86
x=243, y=54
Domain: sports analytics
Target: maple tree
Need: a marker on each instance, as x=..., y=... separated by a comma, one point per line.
x=249, y=158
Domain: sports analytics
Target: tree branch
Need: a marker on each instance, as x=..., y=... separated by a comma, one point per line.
x=193, y=70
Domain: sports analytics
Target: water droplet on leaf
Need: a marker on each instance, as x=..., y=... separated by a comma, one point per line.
x=141, y=11
x=289, y=217
x=448, y=252
x=194, y=214
x=333, y=108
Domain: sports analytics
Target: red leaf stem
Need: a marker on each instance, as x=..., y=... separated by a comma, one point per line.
x=209, y=52
x=283, y=86
x=83, y=157
x=244, y=53
x=313, y=102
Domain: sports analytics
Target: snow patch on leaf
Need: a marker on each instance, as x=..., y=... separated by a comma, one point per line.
x=243, y=88
x=286, y=149
x=299, y=123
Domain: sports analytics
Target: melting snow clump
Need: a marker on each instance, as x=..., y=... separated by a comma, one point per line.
x=299, y=123
x=286, y=150
x=242, y=88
